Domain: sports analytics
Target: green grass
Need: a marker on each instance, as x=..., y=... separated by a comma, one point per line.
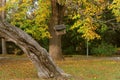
x=81, y=68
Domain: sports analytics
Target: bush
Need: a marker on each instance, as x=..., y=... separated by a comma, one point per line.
x=69, y=50
x=104, y=49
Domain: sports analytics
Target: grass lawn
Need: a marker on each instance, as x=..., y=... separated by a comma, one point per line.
x=80, y=67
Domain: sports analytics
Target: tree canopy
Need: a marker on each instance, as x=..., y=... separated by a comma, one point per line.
x=87, y=19
x=31, y=16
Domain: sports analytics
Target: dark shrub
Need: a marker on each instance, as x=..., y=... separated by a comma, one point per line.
x=104, y=49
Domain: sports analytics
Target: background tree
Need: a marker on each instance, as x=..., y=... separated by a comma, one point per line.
x=86, y=15
x=58, y=9
x=92, y=20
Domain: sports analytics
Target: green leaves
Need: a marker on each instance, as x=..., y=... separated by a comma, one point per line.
x=61, y=2
x=86, y=16
x=88, y=30
x=115, y=7
x=33, y=20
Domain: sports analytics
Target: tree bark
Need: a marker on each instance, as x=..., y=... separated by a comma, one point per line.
x=38, y=55
x=55, y=40
x=4, y=49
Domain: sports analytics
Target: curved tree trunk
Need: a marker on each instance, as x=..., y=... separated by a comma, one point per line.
x=38, y=55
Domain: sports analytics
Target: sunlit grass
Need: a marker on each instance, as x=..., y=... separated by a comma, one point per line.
x=81, y=68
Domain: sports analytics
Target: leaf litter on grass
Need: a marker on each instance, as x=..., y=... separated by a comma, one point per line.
x=80, y=69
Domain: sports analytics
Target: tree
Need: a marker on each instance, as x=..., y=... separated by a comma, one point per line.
x=38, y=55
x=86, y=15
x=4, y=50
x=58, y=9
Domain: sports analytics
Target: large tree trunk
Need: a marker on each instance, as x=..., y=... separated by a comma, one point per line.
x=55, y=40
x=4, y=49
x=38, y=55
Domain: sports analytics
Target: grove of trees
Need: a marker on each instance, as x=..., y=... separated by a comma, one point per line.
x=91, y=22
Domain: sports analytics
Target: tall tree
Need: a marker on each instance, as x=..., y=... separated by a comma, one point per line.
x=58, y=9
x=38, y=55
x=4, y=50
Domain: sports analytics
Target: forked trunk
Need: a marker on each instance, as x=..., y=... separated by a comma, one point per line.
x=38, y=55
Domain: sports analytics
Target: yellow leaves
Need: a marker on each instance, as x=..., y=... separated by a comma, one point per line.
x=90, y=35
x=92, y=8
x=77, y=24
x=76, y=16
x=38, y=32
x=26, y=1
x=16, y=69
x=61, y=2
x=12, y=1
x=118, y=19
x=115, y=7
x=2, y=8
x=87, y=28
x=89, y=32
x=89, y=20
x=33, y=20
x=86, y=17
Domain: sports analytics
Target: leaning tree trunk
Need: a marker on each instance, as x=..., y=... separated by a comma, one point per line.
x=55, y=41
x=38, y=55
